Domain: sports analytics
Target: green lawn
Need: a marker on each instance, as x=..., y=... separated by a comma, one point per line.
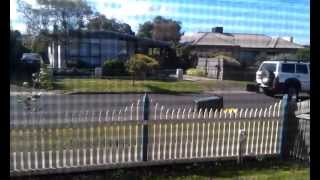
x=210, y=85
x=267, y=169
x=118, y=85
x=106, y=85
x=264, y=170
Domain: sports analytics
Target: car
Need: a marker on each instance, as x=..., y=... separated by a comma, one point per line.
x=283, y=76
x=31, y=58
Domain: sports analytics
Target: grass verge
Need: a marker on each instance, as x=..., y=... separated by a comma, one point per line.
x=211, y=85
x=117, y=85
x=155, y=86
x=267, y=169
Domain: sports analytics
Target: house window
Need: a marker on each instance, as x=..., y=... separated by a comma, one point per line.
x=95, y=49
x=74, y=48
x=302, y=68
x=154, y=51
x=84, y=49
x=122, y=45
x=287, y=68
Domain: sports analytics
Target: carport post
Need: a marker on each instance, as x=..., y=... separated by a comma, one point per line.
x=145, y=103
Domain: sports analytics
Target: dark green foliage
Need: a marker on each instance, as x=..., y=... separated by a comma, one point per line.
x=46, y=80
x=145, y=30
x=100, y=22
x=140, y=65
x=113, y=68
x=58, y=15
x=185, y=57
x=161, y=29
x=303, y=54
x=71, y=63
x=43, y=79
x=16, y=51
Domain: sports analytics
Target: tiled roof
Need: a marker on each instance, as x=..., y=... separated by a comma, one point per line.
x=238, y=39
x=117, y=35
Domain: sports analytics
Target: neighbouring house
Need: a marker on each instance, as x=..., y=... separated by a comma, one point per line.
x=95, y=47
x=240, y=46
x=243, y=47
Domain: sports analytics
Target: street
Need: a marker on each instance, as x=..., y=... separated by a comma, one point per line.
x=54, y=106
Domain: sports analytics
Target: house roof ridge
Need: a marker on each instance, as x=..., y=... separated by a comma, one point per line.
x=251, y=34
x=232, y=41
x=205, y=34
x=275, y=44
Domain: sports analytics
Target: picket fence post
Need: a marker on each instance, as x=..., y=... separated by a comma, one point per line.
x=288, y=126
x=146, y=103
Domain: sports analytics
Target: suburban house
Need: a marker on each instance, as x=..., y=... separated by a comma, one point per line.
x=243, y=47
x=95, y=47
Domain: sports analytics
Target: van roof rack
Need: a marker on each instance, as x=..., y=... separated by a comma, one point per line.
x=286, y=60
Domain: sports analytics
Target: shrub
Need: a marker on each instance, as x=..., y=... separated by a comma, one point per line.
x=195, y=72
x=78, y=64
x=43, y=79
x=141, y=65
x=113, y=68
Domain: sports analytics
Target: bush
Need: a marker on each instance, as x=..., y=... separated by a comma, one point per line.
x=43, y=79
x=195, y=72
x=78, y=64
x=113, y=68
x=141, y=65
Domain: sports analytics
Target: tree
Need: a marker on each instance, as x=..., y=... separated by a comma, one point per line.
x=303, y=54
x=140, y=65
x=100, y=22
x=145, y=30
x=16, y=50
x=40, y=44
x=57, y=14
x=161, y=29
x=35, y=19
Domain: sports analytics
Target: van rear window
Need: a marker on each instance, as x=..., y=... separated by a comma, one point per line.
x=268, y=67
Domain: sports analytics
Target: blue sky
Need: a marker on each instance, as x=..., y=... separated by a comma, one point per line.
x=273, y=18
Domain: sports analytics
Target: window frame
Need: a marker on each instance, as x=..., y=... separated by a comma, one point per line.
x=294, y=67
x=306, y=68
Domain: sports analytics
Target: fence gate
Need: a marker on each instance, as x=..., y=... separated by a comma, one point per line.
x=301, y=146
x=296, y=131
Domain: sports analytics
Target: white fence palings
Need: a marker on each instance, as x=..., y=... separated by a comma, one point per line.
x=118, y=139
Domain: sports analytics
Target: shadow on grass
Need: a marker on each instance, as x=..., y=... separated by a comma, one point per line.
x=205, y=170
x=157, y=89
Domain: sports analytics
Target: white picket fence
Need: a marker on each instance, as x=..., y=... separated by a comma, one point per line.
x=303, y=107
x=115, y=137
x=301, y=147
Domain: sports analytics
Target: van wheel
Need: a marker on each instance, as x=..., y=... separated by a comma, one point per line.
x=268, y=92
